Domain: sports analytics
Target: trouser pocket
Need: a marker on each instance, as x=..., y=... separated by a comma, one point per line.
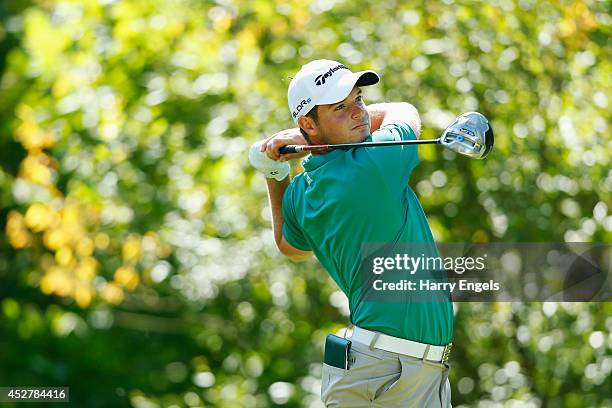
x=330, y=377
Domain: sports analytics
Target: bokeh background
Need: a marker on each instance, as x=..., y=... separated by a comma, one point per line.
x=137, y=263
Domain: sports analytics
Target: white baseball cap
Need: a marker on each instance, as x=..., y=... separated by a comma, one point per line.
x=323, y=82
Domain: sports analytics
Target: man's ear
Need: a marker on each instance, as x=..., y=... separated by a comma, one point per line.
x=309, y=126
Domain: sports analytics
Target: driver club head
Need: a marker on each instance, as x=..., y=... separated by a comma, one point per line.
x=470, y=134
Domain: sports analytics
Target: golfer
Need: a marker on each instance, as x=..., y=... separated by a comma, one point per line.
x=343, y=199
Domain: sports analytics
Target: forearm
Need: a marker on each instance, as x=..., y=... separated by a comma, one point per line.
x=377, y=115
x=276, y=189
x=390, y=111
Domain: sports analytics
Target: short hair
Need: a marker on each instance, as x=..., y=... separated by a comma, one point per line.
x=314, y=115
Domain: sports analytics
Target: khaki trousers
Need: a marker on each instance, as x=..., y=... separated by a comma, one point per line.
x=378, y=378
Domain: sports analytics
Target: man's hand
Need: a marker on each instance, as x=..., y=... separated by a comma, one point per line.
x=270, y=168
x=286, y=137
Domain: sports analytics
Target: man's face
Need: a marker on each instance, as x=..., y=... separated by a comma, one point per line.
x=347, y=121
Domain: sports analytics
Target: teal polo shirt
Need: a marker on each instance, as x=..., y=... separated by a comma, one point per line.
x=344, y=199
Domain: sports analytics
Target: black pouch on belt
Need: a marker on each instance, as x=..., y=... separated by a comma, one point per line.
x=337, y=351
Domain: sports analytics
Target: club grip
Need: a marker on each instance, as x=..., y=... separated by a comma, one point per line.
x=288, y=149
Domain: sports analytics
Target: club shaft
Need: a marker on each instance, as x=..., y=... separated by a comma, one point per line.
x=347, y=146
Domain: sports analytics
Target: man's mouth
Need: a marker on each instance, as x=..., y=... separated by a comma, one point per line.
x=359, y=126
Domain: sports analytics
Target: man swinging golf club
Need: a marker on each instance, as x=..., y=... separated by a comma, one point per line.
x=393, y=354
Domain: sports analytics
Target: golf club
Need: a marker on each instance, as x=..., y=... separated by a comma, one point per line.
x=469, y=135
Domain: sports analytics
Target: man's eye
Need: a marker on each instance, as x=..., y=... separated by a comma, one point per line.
x=339, y=107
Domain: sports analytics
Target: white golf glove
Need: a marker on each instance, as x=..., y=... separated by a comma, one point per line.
x=270, y=168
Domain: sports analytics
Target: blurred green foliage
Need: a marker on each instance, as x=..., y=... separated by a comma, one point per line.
x=137, y=262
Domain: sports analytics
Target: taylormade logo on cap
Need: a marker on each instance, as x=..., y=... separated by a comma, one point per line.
x=320, y=80
x=323, y=82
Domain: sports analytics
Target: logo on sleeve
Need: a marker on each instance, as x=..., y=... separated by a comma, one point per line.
x=320, y=80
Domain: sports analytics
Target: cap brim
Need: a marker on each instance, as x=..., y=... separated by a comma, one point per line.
x=346, y=85
x=367, y=78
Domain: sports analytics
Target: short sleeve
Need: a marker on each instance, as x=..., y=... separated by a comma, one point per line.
x=395, y=162
x=292, y=232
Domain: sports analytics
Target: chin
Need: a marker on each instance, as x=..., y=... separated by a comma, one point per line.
x=361, y=134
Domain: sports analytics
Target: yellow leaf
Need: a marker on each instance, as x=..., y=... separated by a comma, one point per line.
x=112, y=293
x=480, y=236
x=55, y=238
x=70, y=217
x=83, y=296
x=86, y=269
x=127, y=277
x=44, y=42
x=62, y=87
x=63, y=256
x=34, y=138
x=85, y=247
x=131, y=250
x=102, y=241
x=32, y=169
x=567, y=27
x=57, y=281
x=39, y=217
x=16, y=231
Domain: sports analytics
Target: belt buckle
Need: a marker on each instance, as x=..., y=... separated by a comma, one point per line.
x=446, y=352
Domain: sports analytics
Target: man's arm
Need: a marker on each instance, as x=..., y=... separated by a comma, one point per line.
x=276, y=189
x=382, y=113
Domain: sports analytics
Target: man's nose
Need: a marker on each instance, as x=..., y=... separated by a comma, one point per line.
x=357, y=111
